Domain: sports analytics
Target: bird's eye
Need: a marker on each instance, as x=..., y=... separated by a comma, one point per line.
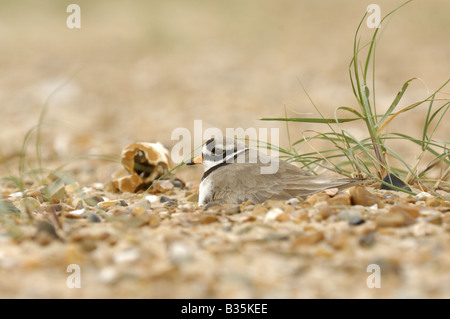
x=216, y=152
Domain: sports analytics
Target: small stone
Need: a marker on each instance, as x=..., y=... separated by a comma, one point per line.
x=446, y=218
x=338, y=240
x=154, y=221
x=178, y=184
x=107, y=204
x=171, y=204
x=164, y=199
x=135, y=222
x=143, y=203
x=349, y=215
x=153, y=199
x=55, y=192
x=284, y=217
x=394, y=219
x=308, y=238
x=315, y=198
x=109, y=275
x=93, y=218
x=433, y=202
x=324, y=211
x=411, y=210
x=356, y=221
x=423, y=195
x=88, y=244
x=163, y=186
x=260, y=210
x=122, y=203
x=179, y=253
x=211, y=205
x=76, y=213
x=367, y=240
x=361, y=196
x=272, y=214
x=340, y=199
x=126, y=256
x=208, y=219
x=293, y=201
x=231, y=209
x=93, y=201
x=331, y=191
x=434, y=219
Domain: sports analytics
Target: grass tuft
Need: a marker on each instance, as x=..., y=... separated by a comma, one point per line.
x=372, y=156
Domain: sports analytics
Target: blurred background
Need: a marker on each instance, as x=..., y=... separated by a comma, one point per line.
x=136, y=70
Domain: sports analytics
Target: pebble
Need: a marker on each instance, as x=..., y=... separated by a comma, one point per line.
x=331, y=191
x=361, y=196
x=315, y=198
x=179, y=253
x=178, y=183
x=107, y=204
x=434, y=219
x=308, y=238
x=93, y=201
x=152, y=198
x=350, y=215
x=411, y=210
x=109, y=275
x=340, y=200
x=422, y=195
x=126, y=256
x=259, y=210
x=293, y=201
x=170, y=204
x=211, y=205
x=367, y=240
x=154, y=221
x=394, y=219
x=446, y=218
x=163, y=186
x=141, y=206
x=164, y=199
x=273, y=214
x=93, y=218
x=356, y=221
x=231, y=209
x=78, y=213
x=55, y=192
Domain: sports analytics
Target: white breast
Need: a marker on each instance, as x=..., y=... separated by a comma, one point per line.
x=204, y=191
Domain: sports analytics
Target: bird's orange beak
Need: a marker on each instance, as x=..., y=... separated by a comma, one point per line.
x=196, y=160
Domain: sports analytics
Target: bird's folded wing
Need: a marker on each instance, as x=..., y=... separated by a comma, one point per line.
x=242, y=182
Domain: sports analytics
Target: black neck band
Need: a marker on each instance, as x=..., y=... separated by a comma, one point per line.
x=212, y=169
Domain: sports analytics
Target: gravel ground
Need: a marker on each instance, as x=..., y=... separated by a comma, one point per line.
x=165, y=246
x=136, y=71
